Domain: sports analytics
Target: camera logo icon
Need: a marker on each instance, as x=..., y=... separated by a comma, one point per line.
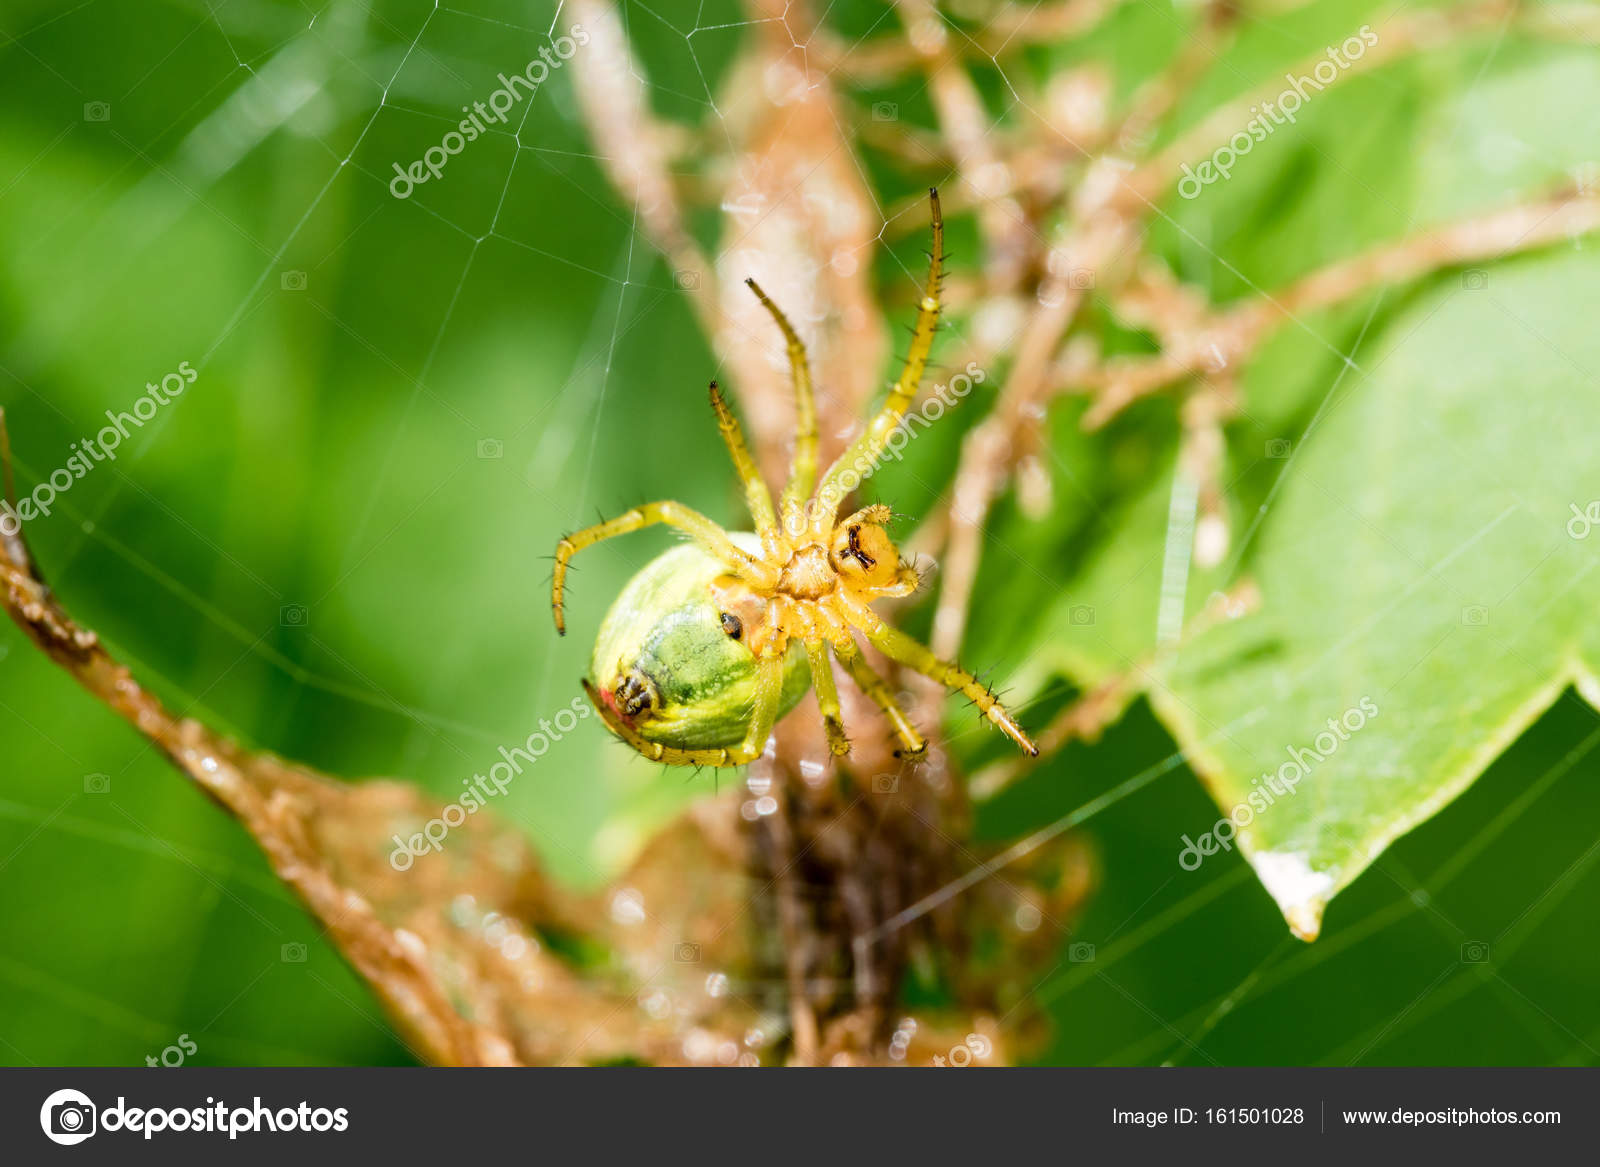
x=1475, y=279
x=1475, y=616
x=96, y=111
x=885, y=783
x=491, y=448
x=1082, y=615
x=1475, y=952
x=687, y=279
x=1278, y=448
x=293, y=953
x=293, y=281
x=97, y=783
x=1081, y=953
x=1080, y=279
x=885, y=111
x=68, y=1117
x=686, y=953
x=293, y=615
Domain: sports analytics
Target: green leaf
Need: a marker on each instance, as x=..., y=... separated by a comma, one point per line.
x=1421, y=556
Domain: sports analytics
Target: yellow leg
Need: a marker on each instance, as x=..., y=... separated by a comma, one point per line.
x=877, y=688
x=863, y=453
x=692, y=523
x=670, y=755
x=876, y=513
x=756, y=495
x=803, y=465
x=769, y=690
x=896, y=645
x=827, y=696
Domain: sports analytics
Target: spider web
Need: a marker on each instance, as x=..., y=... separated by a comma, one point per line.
x=628, y=297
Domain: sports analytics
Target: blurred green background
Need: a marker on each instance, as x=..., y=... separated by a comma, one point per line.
x=332, y=545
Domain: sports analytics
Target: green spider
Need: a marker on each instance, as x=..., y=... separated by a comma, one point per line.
x=713, y=641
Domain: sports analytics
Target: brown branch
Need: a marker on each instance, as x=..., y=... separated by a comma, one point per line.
x=1006, y=28
x=1158, y=97
x=1107, y=229
x=797, y=218
x=1403, y=35
x=991, y=448
x=836, y=855
x=480, y=990
x=987, y=180
x=635, y=147
x=1122, y=199
x=1225, y=339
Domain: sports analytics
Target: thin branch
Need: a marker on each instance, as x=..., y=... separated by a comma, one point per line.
x=1226, y=338
x=481, y=990
x=635, y=148
x=1006, y=28
x=1404, y=35
x=988, y=451
x=1007, y=234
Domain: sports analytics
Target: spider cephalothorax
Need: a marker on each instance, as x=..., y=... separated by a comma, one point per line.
x=712, y=642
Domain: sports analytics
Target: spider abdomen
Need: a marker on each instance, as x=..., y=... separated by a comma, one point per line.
x=666, y=661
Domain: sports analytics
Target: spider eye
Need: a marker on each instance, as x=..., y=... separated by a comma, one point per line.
x=732, y=625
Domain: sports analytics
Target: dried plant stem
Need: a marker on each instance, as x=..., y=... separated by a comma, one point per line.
x=796, y=946
x=635, y=147
x=1228, y=337
x=266, y=796
x=1008, y=28
x=1404, y=35
x=988, y=451
x=1122, y=199
x=967, y=129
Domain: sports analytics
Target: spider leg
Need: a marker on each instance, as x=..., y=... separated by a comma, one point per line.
x=756, y=495
x=803, y=463
x=827, y=696
x=862, y=455
x=906, y=582
x=873, y=513
x=692, y=523
x=769, y=689
x=655, y=751
x=897, y=646
x=878, y=689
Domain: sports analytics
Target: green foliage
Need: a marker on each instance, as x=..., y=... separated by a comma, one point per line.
x=330, y=462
